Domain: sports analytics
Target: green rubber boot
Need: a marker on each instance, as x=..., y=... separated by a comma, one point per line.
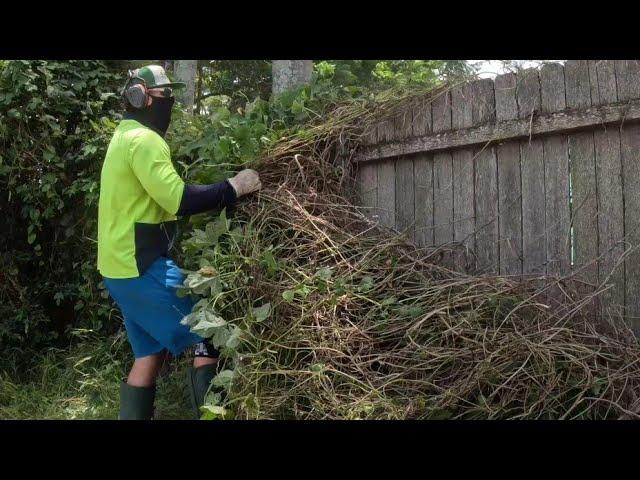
x=136, y=403
x=198, y=382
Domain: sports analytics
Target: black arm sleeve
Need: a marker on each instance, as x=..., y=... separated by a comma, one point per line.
x=202, y=198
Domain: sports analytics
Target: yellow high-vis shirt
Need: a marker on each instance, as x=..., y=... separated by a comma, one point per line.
x=140, y=193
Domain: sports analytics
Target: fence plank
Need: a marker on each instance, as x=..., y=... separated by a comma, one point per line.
x=370, y=135
x=558, y=214
x=627, y=79
x=509, y=191
x=533, y=207
x=486, y=199
x=423, y=187
x=610, y=215
x=423, y=176
x=510, y=208
x=462, y=101
x=367, y=177
x=604, y=90
x=386, y=130
x=593, y=82
x=441, y=112
x=556, y=176
x=402, y=124
x=442, y=198
x=552, y=98
x=486, y=184
x=463, y=206
x=421, y=117
x=367, y=184
x=405, y=208
x=584, y=210
x=505, y=92
x=483, y=101
x=576, y=73
x=584, y=213
x=386, y=205
x=442, y=174
x=532, y=171
x=630, y=150
x=461, y=107
x=528, y=93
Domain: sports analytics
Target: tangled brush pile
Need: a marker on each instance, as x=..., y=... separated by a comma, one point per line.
x=321, y=314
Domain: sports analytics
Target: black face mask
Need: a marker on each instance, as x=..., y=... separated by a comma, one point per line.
x=157, y=116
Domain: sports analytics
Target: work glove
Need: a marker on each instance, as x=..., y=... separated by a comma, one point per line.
x=245, y=182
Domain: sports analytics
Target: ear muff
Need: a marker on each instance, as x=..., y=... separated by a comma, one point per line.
x=136, y=95
x=135, y=92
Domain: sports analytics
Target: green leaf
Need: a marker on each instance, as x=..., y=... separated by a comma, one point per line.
x=31, y=238
x=366, y=283
x=223, y=379
x=58, y=297
x=201, y=304
x=217, y=228
x=203, y=323
x=220, y=337
x=389, y=301
x=269, y=261
x=597, y=386
x=288, y=295
x=317, y=367
x=340, y=287
x=324, y=273
x=48, y=154
x=211, y=412
x=439, y=414
x=303, y=291
x=234, y=339
x=202, y=284
x=236, y=234
x=261, y=313
x=207, y=415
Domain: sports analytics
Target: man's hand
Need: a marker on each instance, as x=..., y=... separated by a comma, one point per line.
x=245, y=182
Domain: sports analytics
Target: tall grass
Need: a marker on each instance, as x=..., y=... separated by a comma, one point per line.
x=81, y=382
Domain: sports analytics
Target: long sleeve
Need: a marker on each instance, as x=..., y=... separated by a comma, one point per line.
x=201, y=198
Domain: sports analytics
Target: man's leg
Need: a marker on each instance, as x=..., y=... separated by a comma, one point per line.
x=145, y=370
x=138, y=393
x=205, y=365
x=202, y=361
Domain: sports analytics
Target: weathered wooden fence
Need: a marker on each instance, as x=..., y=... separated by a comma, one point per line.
x=535, y=173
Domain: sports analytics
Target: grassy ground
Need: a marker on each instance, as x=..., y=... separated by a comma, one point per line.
x=81, y=382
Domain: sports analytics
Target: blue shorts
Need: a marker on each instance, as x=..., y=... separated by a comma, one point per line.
x=152, y=310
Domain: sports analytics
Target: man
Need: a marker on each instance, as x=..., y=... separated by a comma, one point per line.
x=141, y=196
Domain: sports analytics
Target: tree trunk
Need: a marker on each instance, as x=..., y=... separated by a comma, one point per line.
x=290, y=73
x=199, y=89
x=185, y=71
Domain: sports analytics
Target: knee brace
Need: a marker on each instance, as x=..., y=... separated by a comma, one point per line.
x=205, y=349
